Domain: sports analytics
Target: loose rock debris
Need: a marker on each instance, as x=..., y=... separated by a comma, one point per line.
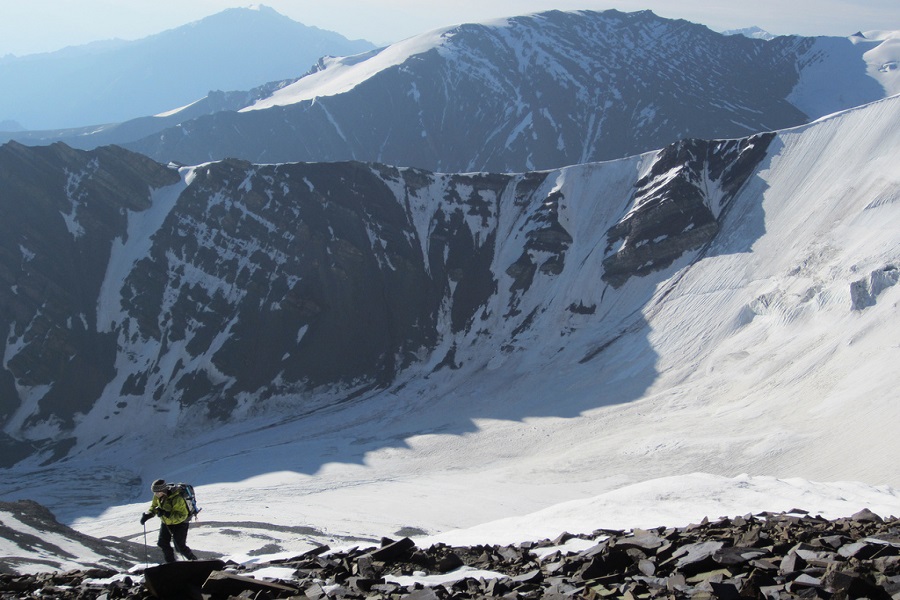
x=766, y=556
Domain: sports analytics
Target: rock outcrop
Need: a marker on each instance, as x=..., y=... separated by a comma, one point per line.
x=677, y=206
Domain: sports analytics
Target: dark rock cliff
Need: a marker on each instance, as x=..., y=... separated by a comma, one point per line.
x=676, y=206
x=59, y=213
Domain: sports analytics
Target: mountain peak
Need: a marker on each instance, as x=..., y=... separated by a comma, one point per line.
x=251, y=11
x=114, y=82
x=262, y=8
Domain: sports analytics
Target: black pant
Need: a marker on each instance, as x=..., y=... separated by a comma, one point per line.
x=174, y=533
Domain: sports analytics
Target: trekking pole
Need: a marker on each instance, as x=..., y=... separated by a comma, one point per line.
x=146, y=555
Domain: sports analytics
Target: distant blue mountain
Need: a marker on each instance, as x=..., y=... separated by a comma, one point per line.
x=109, y=82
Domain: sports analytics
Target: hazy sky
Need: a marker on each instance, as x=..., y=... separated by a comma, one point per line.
x=28, y=26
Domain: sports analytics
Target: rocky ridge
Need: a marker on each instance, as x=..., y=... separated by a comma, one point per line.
x=535, y=92
x=766, y=555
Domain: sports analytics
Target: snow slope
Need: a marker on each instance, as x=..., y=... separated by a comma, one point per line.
x=678, y=500
x=340, y=74
x=830, y=79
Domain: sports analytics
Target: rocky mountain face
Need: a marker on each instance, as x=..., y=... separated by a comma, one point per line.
x=61, y=211
x=110, y=82
x=531, y=93
x=142, y=290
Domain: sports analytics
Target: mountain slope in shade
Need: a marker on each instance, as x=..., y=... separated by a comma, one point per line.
x=539, y=92
x=347, y=334
x=524, y=93
x=113, y=82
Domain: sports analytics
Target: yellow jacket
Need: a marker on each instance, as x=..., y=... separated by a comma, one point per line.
x=171, y=508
